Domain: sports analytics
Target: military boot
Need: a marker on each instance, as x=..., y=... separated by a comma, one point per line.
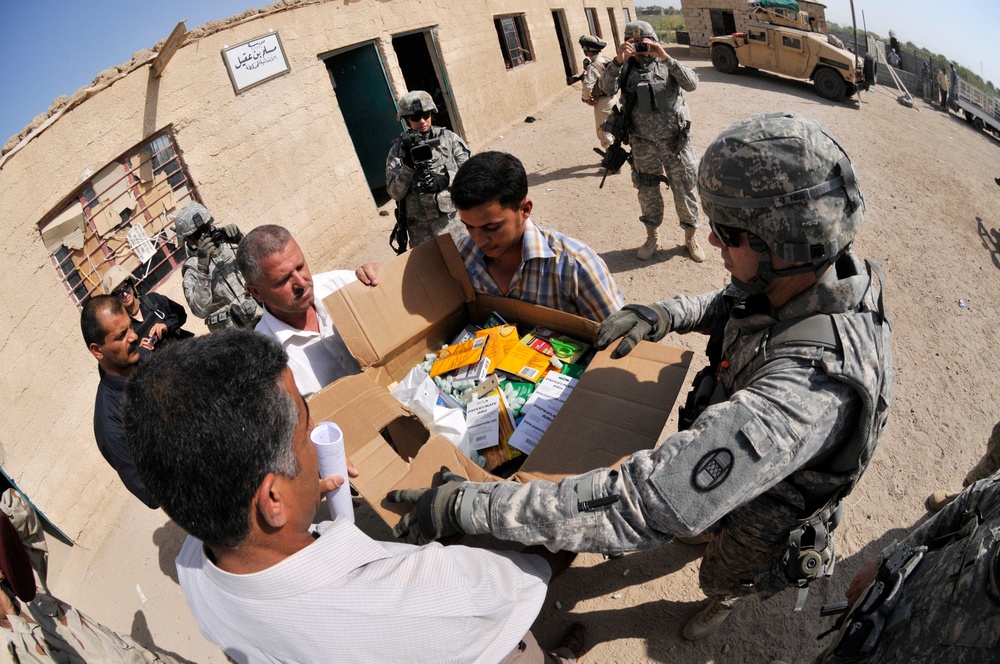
x=645, y=252
x=691, y=242
x=705, y=622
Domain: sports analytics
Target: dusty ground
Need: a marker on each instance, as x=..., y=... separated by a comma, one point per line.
x=932, y=223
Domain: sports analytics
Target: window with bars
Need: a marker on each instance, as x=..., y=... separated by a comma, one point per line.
x=121, y=217
x=627, y=14
x=515, y=42
x=592, y=22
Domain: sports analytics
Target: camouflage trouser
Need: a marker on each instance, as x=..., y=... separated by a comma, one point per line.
x=745, y=553
x=653, y=158
x=419, y=232
x=990, y=463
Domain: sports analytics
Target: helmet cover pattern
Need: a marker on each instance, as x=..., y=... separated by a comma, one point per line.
x=415, y=102
x=190, y=219
x=785, y=179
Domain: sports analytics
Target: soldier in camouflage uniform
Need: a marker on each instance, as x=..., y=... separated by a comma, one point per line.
x=423, y=187
x=212, y=285
x=947, y=607
x=592, y=93
x=661, y=128
x=804, y=347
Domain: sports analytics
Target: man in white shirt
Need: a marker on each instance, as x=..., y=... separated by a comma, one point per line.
x=262, y=582
x=277, y=276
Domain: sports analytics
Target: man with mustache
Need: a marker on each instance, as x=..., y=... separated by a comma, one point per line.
x=107, y=331
x=278, y=277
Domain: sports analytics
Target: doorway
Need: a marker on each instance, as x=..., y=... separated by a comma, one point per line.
x=420, y=61
x=565, y=46
x=362, y=89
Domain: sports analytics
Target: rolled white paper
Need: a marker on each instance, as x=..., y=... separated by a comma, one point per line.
x=329, y=442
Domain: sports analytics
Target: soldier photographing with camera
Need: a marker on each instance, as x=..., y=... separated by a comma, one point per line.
x=418, y=171
x=656, y=122
x=212, y=285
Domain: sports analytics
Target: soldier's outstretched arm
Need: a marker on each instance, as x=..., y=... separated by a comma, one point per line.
x=699, y=313
x=735, y=451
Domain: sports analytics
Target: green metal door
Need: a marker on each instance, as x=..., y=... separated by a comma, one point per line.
x=367, y=105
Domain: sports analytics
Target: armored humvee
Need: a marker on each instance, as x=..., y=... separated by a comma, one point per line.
x=781, y=39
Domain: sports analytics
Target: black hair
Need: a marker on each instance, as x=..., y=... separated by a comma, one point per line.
x=488, y=177
x=90, y=324
x=205, y=421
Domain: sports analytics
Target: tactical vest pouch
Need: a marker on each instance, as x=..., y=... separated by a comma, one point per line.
x=644, y=100
x=661, y=96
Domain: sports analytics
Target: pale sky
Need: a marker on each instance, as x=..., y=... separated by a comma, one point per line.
x=54, y=47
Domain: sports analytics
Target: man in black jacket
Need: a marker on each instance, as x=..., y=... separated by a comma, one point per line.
x=107, y=331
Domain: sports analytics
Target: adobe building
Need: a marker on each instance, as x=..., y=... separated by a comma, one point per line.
x=704, y=19
x=283, y=114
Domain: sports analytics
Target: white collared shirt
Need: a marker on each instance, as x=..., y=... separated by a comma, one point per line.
x=349, y=598
x=315, y=358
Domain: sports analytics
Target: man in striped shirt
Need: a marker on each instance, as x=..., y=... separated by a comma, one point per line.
x=508, y=255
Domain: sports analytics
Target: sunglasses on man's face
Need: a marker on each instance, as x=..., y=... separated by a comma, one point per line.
x=121, y=290
x=422, y=115
x=728, y=235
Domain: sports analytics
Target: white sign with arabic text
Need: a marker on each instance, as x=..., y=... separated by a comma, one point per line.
x=255, y=61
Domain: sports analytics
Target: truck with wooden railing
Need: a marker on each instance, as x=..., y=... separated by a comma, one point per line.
x=979, y=108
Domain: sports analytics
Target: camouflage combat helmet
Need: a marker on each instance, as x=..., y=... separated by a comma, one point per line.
x=415, y=102
x=784, y=179
x=190, y=219
x=639, y=29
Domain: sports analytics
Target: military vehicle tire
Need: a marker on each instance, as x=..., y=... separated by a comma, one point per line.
x=979, y=124
x=829, y=84
x=724, y=59
x=870, y=69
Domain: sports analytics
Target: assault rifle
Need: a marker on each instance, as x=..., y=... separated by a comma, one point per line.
x=620, y=122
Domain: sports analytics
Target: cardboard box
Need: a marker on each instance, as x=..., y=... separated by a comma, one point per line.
x=424, y=298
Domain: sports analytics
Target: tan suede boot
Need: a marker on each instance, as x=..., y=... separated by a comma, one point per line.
x=645, y=252
x=691, y=242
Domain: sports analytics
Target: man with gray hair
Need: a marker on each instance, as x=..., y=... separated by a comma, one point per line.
x=263, y=582
x=277, y=276
x=652, y=85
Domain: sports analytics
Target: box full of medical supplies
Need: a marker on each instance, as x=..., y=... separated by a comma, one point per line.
x=423, y=304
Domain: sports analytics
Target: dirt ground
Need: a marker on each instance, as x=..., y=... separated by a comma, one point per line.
x=932, y=223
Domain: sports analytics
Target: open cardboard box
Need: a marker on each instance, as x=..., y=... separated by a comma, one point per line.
x=423, y=299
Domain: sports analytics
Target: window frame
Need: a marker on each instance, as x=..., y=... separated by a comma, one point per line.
x=593, y=22
x=151, y=181
x=515, y=40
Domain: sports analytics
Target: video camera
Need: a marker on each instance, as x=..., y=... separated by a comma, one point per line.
x=641, y=47
x=421, y=150
x=422, y=154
